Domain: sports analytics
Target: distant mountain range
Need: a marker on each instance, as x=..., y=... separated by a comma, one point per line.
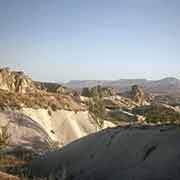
x=166, y=86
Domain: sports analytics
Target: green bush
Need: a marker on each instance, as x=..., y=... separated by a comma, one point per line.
x=86, y=92
x=97, y=108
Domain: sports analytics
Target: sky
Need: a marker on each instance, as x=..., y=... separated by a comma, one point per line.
x=62, y=40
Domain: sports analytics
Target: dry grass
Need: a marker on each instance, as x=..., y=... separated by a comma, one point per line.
x=13, y=160
x=4, y=176
x=14, y=101
x=8, y=161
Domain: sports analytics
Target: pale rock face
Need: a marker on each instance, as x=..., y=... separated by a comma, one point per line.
x=30, y=127
x=177, y=109
x=63, y=126
x=40, y=116
x=33, y=128
x=108, y=124
x=140, y=119
x=23, y=130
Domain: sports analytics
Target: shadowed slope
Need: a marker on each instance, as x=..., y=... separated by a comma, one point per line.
x=146, y=153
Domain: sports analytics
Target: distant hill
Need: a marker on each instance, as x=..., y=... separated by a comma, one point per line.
x=166, y=86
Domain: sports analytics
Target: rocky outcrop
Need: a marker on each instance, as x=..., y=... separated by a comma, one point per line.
x=15, y=81
x=99, y=91
x=52, y=87
x=18, y=82
x=143, y=153
x=135, y=97
x=109, y=91
x=119, y=102
x=137, y=94
x=118, y=116
x=38, y=113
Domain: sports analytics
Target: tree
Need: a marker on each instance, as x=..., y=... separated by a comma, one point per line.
x=96, y=107
x=86, y=92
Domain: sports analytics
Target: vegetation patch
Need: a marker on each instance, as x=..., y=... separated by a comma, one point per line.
x=158, y=113
x=97, y=107
x=15, y=101
x=4, y=137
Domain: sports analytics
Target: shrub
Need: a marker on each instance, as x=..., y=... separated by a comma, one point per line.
x=97, y=108
x=4, y=136
x=86, y=92
x=91, y=92
x=161, y=114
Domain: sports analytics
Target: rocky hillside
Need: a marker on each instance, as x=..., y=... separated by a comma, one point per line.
x=39, y=114
x=135, y=106
x=36, y=117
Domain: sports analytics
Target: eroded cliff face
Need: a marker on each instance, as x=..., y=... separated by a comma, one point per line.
x=19, y=82
x=15, y=81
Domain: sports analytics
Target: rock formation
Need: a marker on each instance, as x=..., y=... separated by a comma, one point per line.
x=119, y=102
x=53, y=88
x=137, y=94
x=100, y=91
x=19, y=82
x=41, y=116
x=15, y=81
x=37, y=111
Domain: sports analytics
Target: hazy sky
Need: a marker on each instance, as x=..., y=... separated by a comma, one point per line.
x=91, y=39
